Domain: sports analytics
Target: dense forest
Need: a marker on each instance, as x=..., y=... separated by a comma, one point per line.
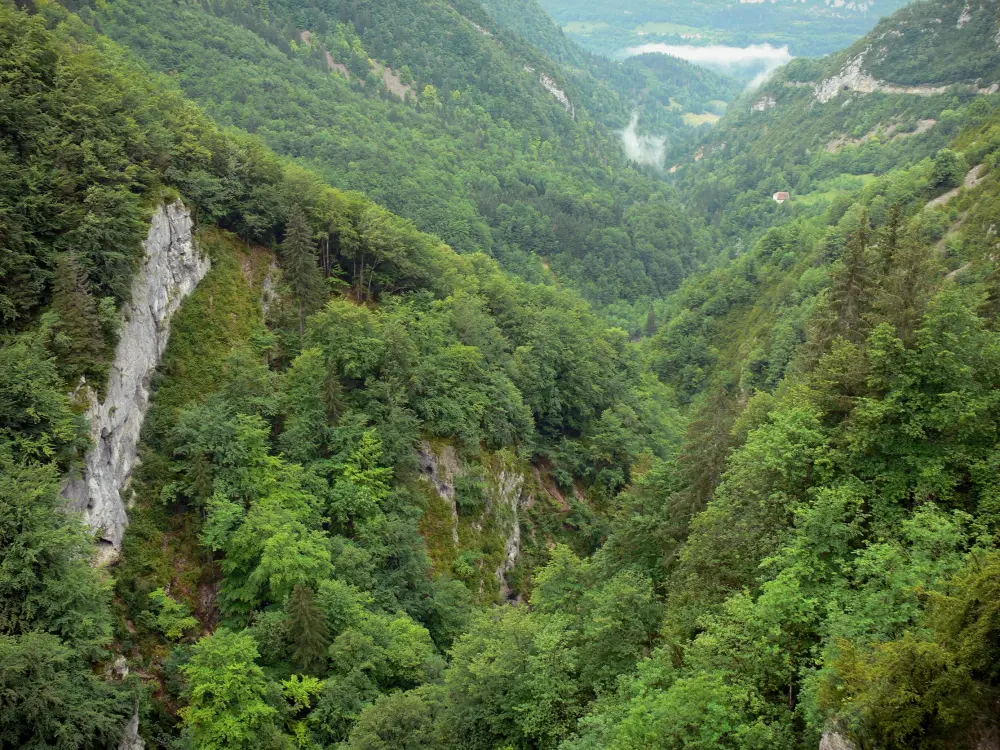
x=468, y=142
x=470, y=432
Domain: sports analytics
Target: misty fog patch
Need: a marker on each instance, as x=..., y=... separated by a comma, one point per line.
x=753, y=63
x=644, y=149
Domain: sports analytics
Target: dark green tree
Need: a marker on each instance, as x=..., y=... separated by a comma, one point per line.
x=651, y=322
x=887, y=241
x=53, y=699
x=949, y=169
x=308, y=631
x=80, y=340
x=851, y=287
x=298, y=253
x=903, y=291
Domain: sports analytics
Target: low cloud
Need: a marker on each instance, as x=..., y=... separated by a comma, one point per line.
x=644, y=149
x=756, y=62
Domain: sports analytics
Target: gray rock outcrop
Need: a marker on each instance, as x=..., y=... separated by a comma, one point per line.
x=504, y=485
x=853, y=77
x=834, y=740
x=131, y=739
x=507, y=494
x=442, y=469
x=171, y=269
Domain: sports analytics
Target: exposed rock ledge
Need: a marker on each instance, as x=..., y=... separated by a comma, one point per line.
x=834, y=740
x=504, y=485
x=171, y=270
x=972, y=180
x=442, y=469
x=853, y=77
x=506, y=495
x=131, y=739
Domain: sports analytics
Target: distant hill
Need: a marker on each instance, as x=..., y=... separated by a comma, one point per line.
x=808, y=27
x=907, y=48
x=890, y=99
x=658, y=84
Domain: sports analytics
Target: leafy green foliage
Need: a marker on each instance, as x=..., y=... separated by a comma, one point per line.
x=52, y=700
x=55, y=615
x=227, y=695
x=80, y=340
x=490, y=161
x=173, y=618
x=38, y=423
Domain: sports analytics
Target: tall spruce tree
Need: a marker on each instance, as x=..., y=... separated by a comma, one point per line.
x=80, y=343
x=851, y=286
x=904, y=289
x=651, y=322
x=308, y=631
x=887, y=240
x=298, y=254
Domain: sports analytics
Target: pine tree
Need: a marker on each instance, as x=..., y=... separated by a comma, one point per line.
x=308, y=631
x=80, y=343
x=905, y=288
x=887, y=242
x=851, y=286
x=333, y=395
x=298, y=253
x=651, y=322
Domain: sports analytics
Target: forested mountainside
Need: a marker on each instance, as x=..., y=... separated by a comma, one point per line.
x=441, y=115
x=678, y=86
x=344, y=485
x=822, y=125
x=807, y=27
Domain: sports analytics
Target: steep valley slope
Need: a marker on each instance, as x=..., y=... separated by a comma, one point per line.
x=419, y=417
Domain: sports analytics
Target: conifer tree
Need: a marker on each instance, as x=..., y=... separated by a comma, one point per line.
x=651, y=322
x=298, y=253
x=904, y=289
x=851, y=285
x=81, y=340
x=308, y=631
x=887, y=241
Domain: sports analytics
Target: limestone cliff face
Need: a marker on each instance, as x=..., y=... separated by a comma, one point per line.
x=131, y=739
x=442, y=468
x=506, y=493
x=853, y=77
x=507, y=497
x=171, y=269
x=834, y=740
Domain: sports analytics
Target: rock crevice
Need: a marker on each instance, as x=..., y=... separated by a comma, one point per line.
x=171, y=269
x=506, y=493
x=442, y=469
